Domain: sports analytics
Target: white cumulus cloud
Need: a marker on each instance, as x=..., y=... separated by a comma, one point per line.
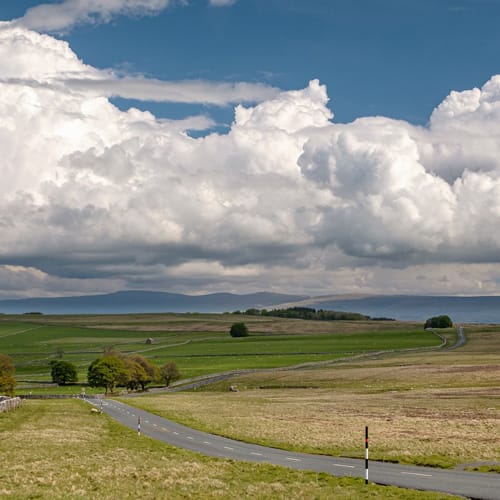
x=287, y=200
x=41, y=62
x=61, y=16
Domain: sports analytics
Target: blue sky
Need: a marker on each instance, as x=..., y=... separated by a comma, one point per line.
x=396, y=58
x=321, y=146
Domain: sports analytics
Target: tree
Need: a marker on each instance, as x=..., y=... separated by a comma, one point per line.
x=7, y=371
x=107, y=372
x=150, y=371
x=252, y=312
x=239, y=330
x=63, y=372
x=135, y=377
x=169, y=373
x=442, y=321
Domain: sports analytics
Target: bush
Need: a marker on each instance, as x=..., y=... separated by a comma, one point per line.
x=239, y=330
x=442, y=321
x=63, y=372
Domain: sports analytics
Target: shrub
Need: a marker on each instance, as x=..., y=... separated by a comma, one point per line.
x=239, y=330
x=63, y=372
x=442, y=321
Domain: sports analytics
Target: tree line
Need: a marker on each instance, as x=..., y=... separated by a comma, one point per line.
x=309, y=313
x=113, y=369
x=132, y=371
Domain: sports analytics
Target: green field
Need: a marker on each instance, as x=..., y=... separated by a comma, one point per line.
x=199, y=344
x=438, y=408
x=424, y=405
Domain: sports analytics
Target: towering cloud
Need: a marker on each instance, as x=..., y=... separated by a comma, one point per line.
x=287, y=198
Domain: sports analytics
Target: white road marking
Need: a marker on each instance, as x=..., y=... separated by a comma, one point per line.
x=190, y=437
x=228, y=448
x=294, y=459
x=176, y=433
x=207, y=442
x=342, y=465
x=416, y=474
x=255, y=453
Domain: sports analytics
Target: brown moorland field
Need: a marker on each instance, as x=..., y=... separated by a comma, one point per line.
x=197, y=322
x=60, y=450
x=429, y=408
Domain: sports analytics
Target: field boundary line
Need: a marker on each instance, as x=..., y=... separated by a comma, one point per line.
x=204, y=380
x=12, y=334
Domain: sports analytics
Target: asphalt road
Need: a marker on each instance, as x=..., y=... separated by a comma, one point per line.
x=468, y=484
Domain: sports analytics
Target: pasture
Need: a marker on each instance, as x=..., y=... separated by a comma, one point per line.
x=423, y=405
x=59, y=450
x=199, y=344
x=436, y=408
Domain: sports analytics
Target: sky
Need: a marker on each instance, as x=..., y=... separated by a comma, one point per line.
x=296, y=146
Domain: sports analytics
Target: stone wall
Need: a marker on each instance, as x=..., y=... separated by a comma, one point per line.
x=8, y=404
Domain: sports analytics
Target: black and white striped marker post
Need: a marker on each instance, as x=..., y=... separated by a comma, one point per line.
x=138, y=426
x=366, y=455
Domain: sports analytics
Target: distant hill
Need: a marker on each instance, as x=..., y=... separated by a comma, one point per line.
x=403, y=307
x=484, y=309
x=145, y=302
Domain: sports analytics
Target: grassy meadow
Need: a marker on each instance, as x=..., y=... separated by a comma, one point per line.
x=423, y=405
x=439, y=408
x=59, y=450
x=199, y=343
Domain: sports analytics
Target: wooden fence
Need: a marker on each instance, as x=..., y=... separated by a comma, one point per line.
x=9, y=404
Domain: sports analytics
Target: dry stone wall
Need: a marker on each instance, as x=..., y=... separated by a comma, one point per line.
x=7, y=404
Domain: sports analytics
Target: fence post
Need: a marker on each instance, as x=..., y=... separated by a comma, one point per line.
x=138, y=426
x=366, y=455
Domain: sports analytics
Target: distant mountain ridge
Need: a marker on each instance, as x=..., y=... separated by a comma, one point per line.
x=470, y=309
x=139, y=301
x=485, y=309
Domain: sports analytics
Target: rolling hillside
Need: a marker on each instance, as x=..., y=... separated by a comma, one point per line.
x=145, y=302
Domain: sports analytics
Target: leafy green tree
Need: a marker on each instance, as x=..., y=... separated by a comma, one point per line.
x=169, y=372
x=7, y=371
x=150, y=370
x=135, y=376
x=442, y=321
x=6, y=365
x=239, y=330
x=63, y=372
x=107, y=372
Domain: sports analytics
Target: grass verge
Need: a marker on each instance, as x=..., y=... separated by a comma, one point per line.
x=60, y=450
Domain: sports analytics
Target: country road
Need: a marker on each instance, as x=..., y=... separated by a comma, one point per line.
x=468, y=484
